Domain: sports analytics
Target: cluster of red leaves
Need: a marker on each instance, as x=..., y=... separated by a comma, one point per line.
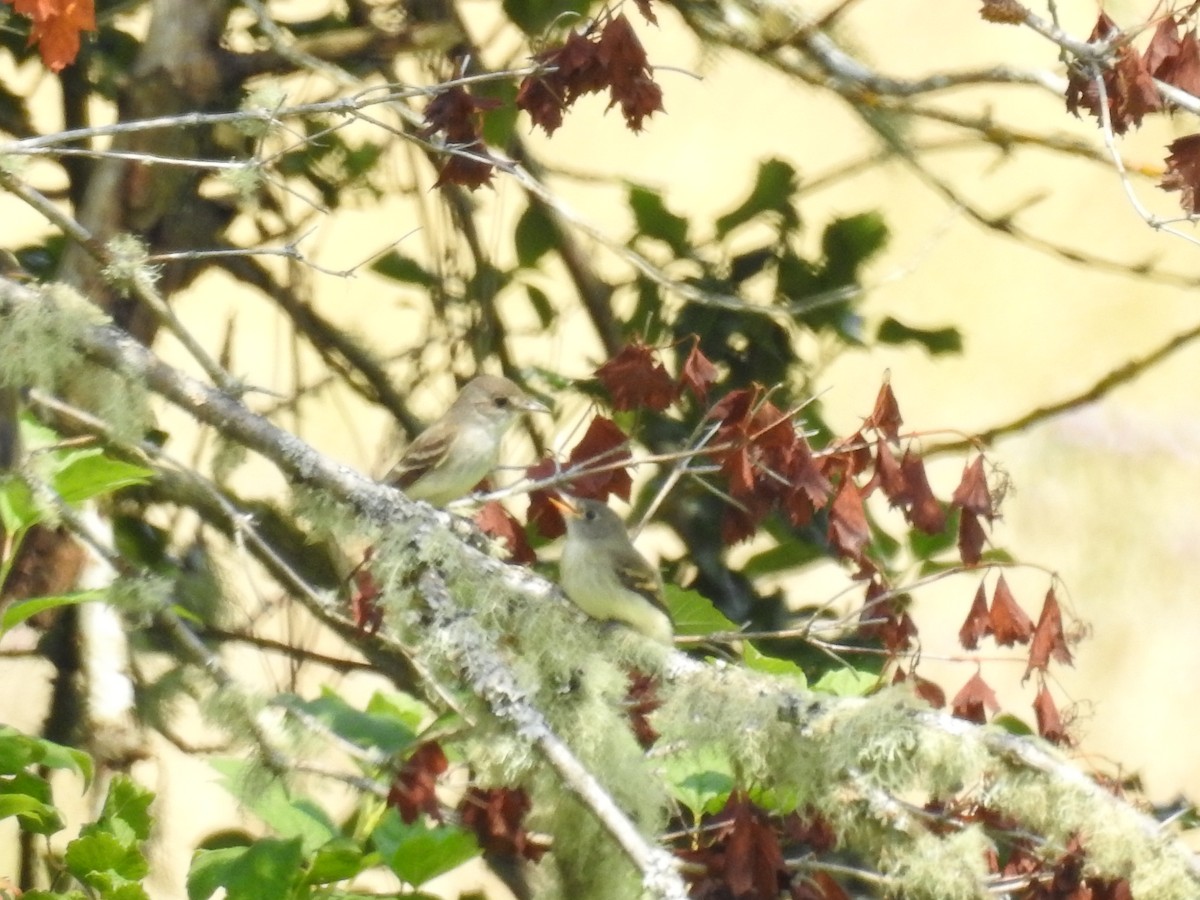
x=1129, y=92
x=495, y=815
x=457, y=115
x=768, y=464
x=1007, y=624
x=743, y=858
x=599, y=459
x=364, y=597
x=56, y=27
x=413, y=790
x=1128, y=82
x=607, y=55
x=1025, y=858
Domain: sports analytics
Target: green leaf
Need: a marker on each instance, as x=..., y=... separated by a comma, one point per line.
x=534, y=235
x=126, y=812
x=758, y=661
x=535, y=16
x=774, y=191
x=33, y=814
x=269, y=868
x=408, y=711
x=56, y=756
x=850, y=242
x=847, y=682
x=297, y=818
x=541, y=304
x=21, y=610
x=693, y=613
x=1013, y=725
x=654, y=220
x=926, y=546
x=365, y=729
x=338, y=860
x=17, y=509
x=419, y=854
x=701, y=779
x=101, y=859
x=936, y=341
x=16, y=751
x=398, y=267
x=89, y=473
x=790, y=554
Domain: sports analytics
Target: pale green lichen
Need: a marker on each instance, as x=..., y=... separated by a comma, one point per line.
x=142, y=596
x=128, y=263
x=950, y=867
x=228, y=457
x=39, y=340
x=246, y=181
x=261, y=104
x=123, y=404
x=587, y=864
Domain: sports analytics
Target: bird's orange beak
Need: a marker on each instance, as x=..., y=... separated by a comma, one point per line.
x=564, y=506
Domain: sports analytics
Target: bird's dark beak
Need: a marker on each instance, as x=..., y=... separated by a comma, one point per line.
x=534, y=406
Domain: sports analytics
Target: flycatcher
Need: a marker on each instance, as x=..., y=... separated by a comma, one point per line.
x=605, y=576
x=451, y=456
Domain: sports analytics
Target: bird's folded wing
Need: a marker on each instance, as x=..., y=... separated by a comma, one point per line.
x=638, y=576
x=425, y=453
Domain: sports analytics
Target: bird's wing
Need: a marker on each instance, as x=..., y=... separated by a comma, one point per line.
x=637, y=575
x=428, y=449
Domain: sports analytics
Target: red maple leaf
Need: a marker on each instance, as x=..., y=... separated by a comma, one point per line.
x=885, y=417
x=1049, y=723
x=972, y=493
x=601, y=454
x=1049, y=641
x=746, y=860
x=977, y=624
x=1173, y=59
x=1010, y=624
x=641, y=700
x=456, y=113
x=635, y=379
x=970, y=539
x=56, y=27
x=922, y=687
x=412, y=791
x=365, y=610
x=1128, y=85
x=698, y=372
x=923, y=509
x=493, y=519
x=1183, y=171
x=973, y=701
x=848, y=531
x=497, y=817
x=538, y=97
x=629, y=75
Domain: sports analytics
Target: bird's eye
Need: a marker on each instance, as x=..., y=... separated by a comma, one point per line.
x=590, y=515
x=502, y=402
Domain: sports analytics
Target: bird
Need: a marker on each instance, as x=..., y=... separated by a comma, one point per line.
x=446, y=460
x=603, y=574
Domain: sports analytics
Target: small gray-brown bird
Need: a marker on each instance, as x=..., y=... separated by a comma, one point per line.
x=604, y=575
x=451, y=456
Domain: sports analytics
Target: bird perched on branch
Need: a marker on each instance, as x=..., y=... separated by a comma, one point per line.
x=460, y=449
x=604, y=575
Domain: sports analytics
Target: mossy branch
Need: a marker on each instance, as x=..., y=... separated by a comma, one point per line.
x=504, y=635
